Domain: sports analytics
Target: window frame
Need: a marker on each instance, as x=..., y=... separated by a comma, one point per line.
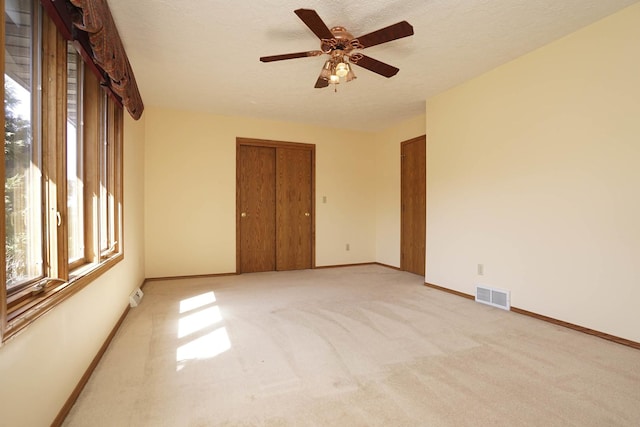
x=35, y=64
x=62, y=279
x=79, y=160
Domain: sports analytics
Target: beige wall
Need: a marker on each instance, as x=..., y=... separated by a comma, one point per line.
x=42, y=365
x=533, y=170
x=387, y=187
x=190, y=190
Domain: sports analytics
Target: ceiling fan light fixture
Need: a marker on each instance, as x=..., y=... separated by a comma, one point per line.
x=334, y=79
x=350, y=75
x=326, y=70
x=342, y=69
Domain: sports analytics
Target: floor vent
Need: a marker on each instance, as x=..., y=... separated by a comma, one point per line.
x=495, y=297
x=135, y=297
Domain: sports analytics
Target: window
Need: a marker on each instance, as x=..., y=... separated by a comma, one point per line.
x=23, y=189
x=62, y=166
x=109, y=180
x=75, y=158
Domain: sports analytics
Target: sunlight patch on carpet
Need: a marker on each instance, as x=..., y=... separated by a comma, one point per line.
x=201, y=323
x=198, y=301
x=198, y=321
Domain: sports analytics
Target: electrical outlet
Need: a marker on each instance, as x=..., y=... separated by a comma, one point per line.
x=348, y=248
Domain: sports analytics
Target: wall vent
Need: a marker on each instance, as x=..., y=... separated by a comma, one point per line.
x=135, y=297
x=494, y=297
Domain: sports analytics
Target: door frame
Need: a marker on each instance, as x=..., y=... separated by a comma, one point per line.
x=402, y=196
x=240, y=141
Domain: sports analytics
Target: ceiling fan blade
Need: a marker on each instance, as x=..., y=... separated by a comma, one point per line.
x=320, y=83
x=392, y=32
x=314, y=22
x=290, y=56
x=374, y=65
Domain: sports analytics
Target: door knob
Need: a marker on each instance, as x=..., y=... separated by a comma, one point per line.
x=243, y=214
x=307, y=214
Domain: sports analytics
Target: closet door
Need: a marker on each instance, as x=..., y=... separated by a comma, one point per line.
x=274, y=204
x=293, y=208
x=256, y=203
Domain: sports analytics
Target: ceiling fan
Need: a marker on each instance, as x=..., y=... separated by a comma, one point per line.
x=342, y=48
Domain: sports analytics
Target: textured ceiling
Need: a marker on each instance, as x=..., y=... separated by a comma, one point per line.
x=203, y=55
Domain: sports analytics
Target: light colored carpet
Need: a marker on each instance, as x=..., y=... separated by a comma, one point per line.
x=356, y=346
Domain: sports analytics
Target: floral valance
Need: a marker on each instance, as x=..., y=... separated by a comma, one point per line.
x=90, y=23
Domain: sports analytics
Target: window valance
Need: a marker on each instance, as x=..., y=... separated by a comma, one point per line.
x=90, y=24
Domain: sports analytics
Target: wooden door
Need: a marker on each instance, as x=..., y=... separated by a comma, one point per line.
x=293, y=209
x=274, y=204
x=256, y=205
x=413, y=205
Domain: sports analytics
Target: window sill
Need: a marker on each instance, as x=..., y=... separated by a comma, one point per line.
x=21, y=316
